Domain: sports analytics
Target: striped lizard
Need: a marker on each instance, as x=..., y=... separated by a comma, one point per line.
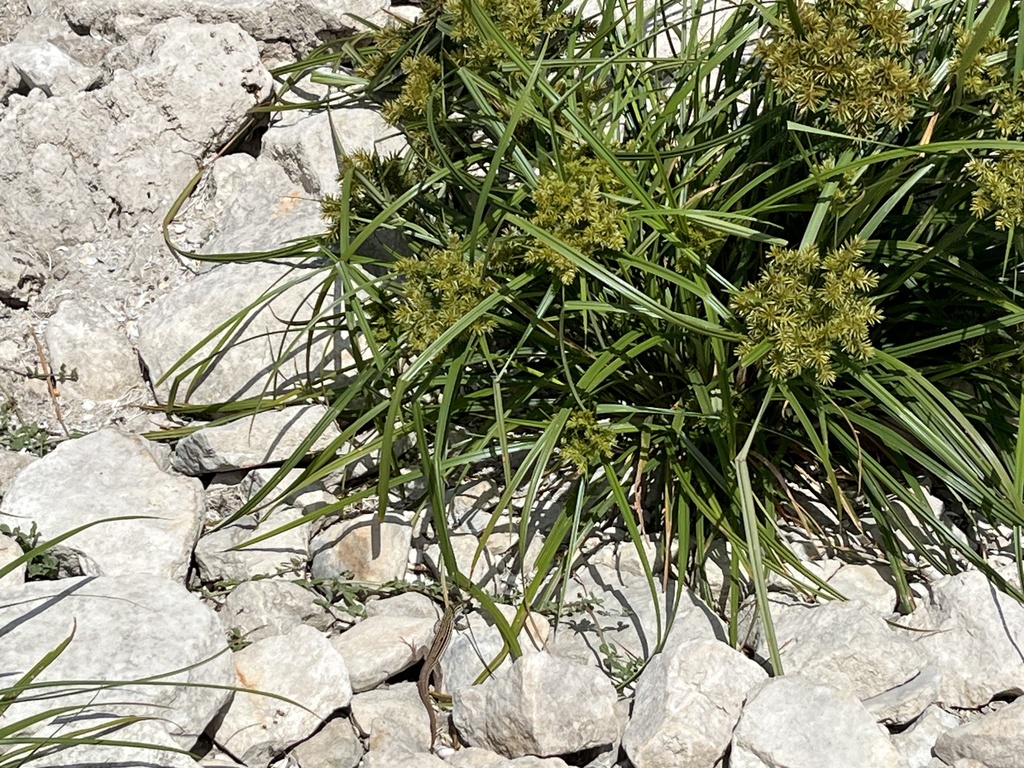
x=431, y=671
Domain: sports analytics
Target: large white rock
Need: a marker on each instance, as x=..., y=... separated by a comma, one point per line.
x=688, y=700
x=263, y=344
x=846, y=645
x=84, y=337
x=544, y=706
x=792, y=722
x=381, y=647
x=266, y=607
x=103, y=475
x=917, y=741
x=43, y=65
x=79, y=165
x=481, y=642
x=125, y=628
x=287, y=552
x=303, y=23
x=266, y=437
x=373, y=551
x=10, y=551
x=995, y=740
x=397, y=705
x=974, y=634
x=300, y=666
x=333, y=746
x=11, y=464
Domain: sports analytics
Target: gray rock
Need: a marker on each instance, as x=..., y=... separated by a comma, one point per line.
x=380, y=647
x=303, y=23
x=904, y=703
x=916, y=743
x=411, y=605
x=544, y=706
x=103, y=475
x=267, y=607
x=624, y=618
x=157, y=755
x=374, y=552
x=21, y=276
x=85, y=163
x=399, y=708
x=304, y=146
x=974, y=634
x=287, y=552
x=868, y=583
x=847, y=646
x=45, y=66
x=84, y=338
x=174, y=324
x=10, y=551
x=333, y=746
x=708, y=681
x=258, y=728
x=791, y=722
x=264, y=210
x=11, y=464
x=264, y=438
x=994, y=740
x=474, y=757
x=125, y=628
x=480, y=642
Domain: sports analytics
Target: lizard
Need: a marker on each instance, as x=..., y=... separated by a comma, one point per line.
x=431, y=671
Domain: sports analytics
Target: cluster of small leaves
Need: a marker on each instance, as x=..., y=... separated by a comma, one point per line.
x=807, y=307
x=422, y=74
x=17, y=436
x=440, y=287
x=523, y=23
x=42, y=567
x=585, y=442
x=1000, y=179
x=985, y=73
x=574, y=207
x=375, y=175
x=850, y=61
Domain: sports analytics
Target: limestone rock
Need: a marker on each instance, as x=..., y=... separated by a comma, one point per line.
x=904, y=703
x=543, y=706
x=84, y=338
x=267, y=607
x=21, y=276
x=866, y=583
x=380, y=647
x=400, y=707
x=287, y=552
x=43, y=65
x=118, y=155
x=474, y=757
x=264, y=438
x=974, y=636
x=103, y=475
x=258, y=728
x=480, y=642
x=175, y=323
x=374, y=552
x=11, y=464
x=916, y=743
x=792, y=722
x=125, y=628
x=846, y=645
x=10, y=551
x=303, y=24
x=688, y=700
x=994, y=740
x=264, y=210
x=333, y=746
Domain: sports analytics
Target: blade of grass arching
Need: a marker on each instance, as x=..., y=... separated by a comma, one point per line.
x=955, y=337
x=629, y=518
x=745, y=494
x=8, y=696
x=435, y=491
x=818, y=441
x=817, y=218
x=579, y=492
x=886, y=208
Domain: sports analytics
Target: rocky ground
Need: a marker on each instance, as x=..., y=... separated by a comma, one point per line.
x=107, y=109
